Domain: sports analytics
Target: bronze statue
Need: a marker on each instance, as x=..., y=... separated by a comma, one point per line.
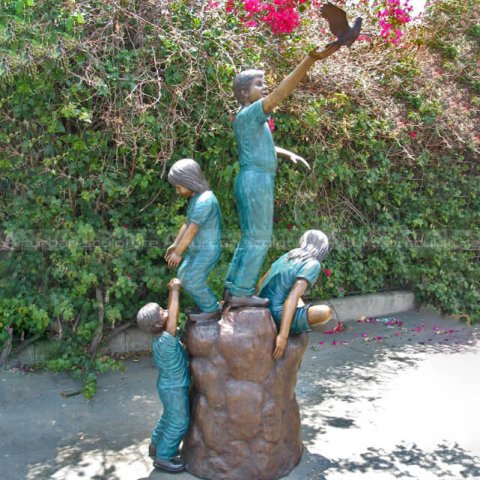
x=285, y=283
x=200, y=234
x=255, y=182
x=173, y=380
x=338, y=23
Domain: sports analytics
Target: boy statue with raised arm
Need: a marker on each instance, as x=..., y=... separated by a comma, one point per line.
x=254, y=183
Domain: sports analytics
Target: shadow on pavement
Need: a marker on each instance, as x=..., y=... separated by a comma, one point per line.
x=444, y=462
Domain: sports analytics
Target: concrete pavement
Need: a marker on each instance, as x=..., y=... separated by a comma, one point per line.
x=382, y=400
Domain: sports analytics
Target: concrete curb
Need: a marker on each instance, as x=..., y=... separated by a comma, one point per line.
x=345, y=309
x=372, y=305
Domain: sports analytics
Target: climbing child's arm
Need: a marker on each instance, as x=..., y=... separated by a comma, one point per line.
x=173, y=306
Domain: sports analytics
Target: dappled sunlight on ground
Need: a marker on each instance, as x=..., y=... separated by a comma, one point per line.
x=75, y=463
x=400, y=407
x=384, y=399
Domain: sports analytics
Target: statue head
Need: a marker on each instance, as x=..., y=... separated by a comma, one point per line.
x=242, y=83
x=151, y=318
x=187, y=173
x=313, y=244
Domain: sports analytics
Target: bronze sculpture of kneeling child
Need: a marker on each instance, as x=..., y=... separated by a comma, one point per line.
x=173, y=380
x=285, y=283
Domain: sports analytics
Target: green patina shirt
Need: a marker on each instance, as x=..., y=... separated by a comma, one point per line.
x=282, y=277
x=204, y=210
x=171, y=361
x=254, y=138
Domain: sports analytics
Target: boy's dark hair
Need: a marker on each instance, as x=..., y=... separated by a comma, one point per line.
x=242, y=82
x=150, y=318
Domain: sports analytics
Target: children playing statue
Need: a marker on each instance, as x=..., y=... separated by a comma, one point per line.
x=285, y=283
x=200, y=234
x=173, y=379
x=254, y=184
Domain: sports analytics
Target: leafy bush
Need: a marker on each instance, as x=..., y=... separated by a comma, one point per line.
x=99, y=98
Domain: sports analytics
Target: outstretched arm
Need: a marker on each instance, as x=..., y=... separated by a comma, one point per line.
x=289, y=309
x=291, y=156
x=288, y=84
x=176, y=254
x=173, y=306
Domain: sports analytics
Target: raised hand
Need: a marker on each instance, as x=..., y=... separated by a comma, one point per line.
x=174, y=284
x=317, y=54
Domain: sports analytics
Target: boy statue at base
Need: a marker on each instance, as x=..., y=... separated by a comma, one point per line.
x=173, y=380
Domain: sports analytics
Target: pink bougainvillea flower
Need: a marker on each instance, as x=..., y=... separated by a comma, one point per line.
x=321, y=343
x=271, y=124
x=364, y=38
x=334, y=342
x=232, y=118
x=328, y=272
x=339, y=328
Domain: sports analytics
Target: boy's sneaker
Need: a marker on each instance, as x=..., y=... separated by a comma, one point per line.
x=173, y=465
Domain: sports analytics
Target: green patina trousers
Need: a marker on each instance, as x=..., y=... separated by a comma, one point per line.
x=193, y=273
x=254, y=197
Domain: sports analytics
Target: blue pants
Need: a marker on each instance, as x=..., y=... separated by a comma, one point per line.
x=193, y=273
x=173, y=424
x=254, y=196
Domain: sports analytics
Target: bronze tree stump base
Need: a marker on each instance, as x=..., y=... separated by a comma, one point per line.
x=245, y=421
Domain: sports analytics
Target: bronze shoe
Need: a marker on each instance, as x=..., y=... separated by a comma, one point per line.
x=205, y=316
x=172, y=465
x=252, y=301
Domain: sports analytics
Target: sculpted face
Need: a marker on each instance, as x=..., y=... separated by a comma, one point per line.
x=183, y=191
x=257, y=89
x=159, y=326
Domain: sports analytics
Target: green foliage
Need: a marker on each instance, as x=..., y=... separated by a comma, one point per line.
x=98, y=99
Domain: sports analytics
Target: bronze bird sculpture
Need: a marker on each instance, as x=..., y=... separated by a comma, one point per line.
x=338, y=23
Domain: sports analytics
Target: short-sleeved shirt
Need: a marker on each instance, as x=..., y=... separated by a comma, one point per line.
x=254, y=138
x=204, y=210
x=171, y=360
x=282, y=277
